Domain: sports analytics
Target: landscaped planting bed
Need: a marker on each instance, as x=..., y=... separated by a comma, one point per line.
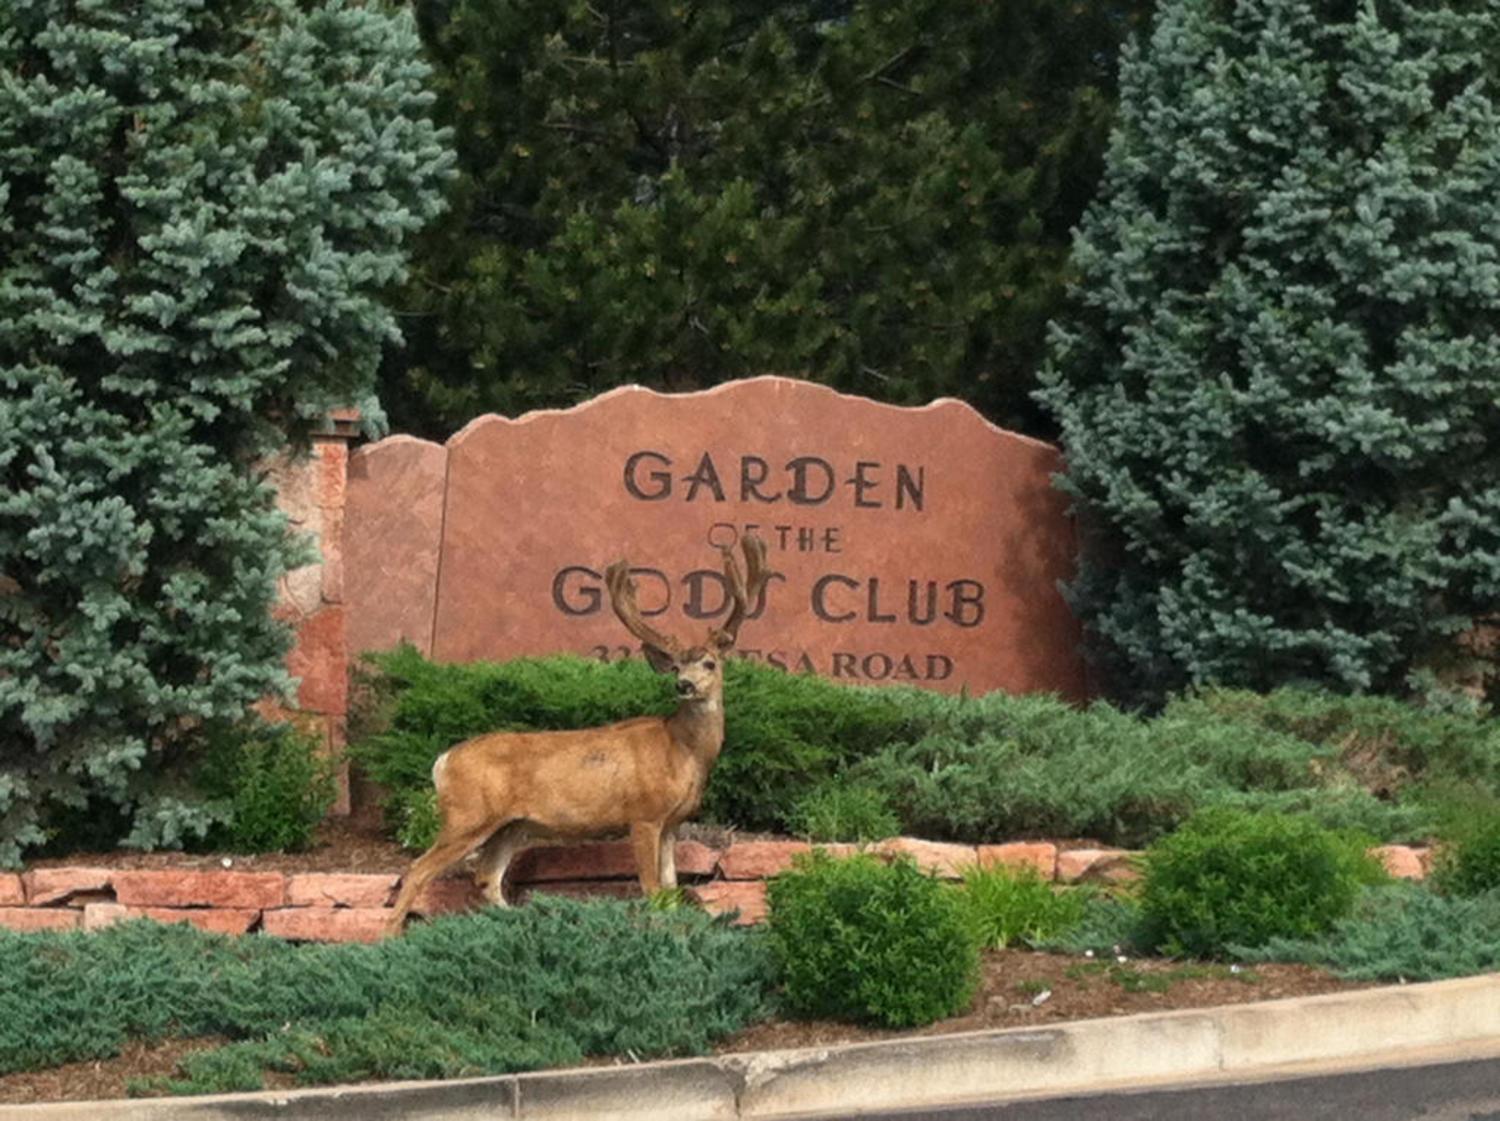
x=1058, y=863
x=151, y=1008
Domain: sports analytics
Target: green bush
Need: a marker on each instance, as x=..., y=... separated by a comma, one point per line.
x=962, y=768
x=202, y=206
x=878, y=197
x=1400, y=932
x=1468, y=861
x=1276, y=381
x=1005, y=906
x=483, y=993
x=1011, y=766
x=1388, y=746
x=859, y=939
x=1233, y=878
x=417, y=817
x=1093, y=775
x=276, y=782
x=839, y=810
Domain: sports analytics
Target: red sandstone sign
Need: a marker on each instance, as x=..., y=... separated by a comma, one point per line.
x=912, y=545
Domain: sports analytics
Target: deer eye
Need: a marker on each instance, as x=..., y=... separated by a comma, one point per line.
x=708, y=663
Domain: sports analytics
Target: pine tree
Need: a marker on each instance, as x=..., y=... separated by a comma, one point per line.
x=199, y=201
x=876, y=195
x=1279, y=381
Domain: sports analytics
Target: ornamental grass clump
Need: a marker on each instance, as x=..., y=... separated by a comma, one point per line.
x=1010, y=906
x=1231, y=878
x=862, y=940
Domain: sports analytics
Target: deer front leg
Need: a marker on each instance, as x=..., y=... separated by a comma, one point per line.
x=645, y=842
x=667, y=858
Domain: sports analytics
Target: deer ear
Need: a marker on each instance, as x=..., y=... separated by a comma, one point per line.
x=658, y=659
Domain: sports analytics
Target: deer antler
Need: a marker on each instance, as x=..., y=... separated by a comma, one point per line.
x=747, y=591
x=622, y=599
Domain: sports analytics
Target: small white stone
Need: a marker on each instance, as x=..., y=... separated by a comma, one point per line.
x=227, y=862
x=1088, y=953
x=1042, y=997
x=1121, y=958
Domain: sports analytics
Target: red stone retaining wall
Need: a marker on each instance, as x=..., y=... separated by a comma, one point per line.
x=353, y=907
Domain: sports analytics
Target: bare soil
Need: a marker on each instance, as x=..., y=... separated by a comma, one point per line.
x=340, y=845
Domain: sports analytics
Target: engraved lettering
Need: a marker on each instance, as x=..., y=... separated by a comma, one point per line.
x=660, y=481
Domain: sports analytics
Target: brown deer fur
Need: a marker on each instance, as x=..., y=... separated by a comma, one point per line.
x=505, y=790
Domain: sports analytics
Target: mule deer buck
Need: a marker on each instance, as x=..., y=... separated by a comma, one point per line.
x=505, y=790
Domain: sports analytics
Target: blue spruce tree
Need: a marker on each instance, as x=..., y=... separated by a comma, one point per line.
x=199, y=203
x=1279, y=379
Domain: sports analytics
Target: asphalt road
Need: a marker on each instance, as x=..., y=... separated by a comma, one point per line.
x=1465, y=1091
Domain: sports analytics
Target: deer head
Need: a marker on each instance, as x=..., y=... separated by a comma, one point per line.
x=699, y=669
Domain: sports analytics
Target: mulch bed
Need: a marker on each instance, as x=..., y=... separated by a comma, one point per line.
x=1076, y=988
x=341, y=845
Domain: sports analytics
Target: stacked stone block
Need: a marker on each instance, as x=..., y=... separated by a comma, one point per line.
x=353, y=907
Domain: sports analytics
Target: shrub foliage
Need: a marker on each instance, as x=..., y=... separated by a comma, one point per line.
x=484, y=993
x=838, y=810
x=1468, y=861
x=806, y=754
x=1401, y=932
x=1277, y=382
x=198, y=206
x=275, y=783
x=1229, y=878
x=878, y=195
x=859, y=939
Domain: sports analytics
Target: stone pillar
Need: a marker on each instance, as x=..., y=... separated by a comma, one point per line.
x=311, y=490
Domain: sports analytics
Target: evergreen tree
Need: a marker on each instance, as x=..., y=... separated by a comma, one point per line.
x=876, y=195
x=1279, y=385
x=198, y=202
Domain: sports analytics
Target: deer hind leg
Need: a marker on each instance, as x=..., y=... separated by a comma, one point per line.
x=645, y=843
x=450, y=847
x=495, y=858
x=666, y=867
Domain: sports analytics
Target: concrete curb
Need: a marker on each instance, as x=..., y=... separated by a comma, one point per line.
x=926, y=1071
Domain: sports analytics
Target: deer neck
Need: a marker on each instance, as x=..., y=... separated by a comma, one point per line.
x=698, y=726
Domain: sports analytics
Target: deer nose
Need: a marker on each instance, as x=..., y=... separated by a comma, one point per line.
x=684, y=687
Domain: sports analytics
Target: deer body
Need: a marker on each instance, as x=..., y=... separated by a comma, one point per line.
x=577, y=784
x=505, y=790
